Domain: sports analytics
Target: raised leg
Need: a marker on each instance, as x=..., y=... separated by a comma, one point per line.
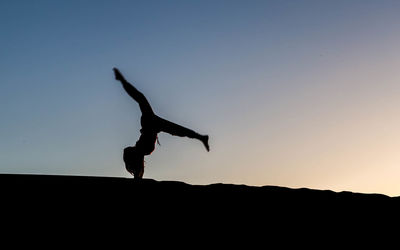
x=178, y=130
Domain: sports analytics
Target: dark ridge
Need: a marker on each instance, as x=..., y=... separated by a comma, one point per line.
x=217, y=212
x=168, y=200
x=126, y=188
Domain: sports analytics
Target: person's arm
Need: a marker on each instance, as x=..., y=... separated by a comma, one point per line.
x=134, y=93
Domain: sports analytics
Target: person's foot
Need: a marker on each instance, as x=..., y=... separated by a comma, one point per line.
x=204, y=140
x=118, y=75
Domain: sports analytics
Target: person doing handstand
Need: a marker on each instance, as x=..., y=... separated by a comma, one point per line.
x=151, y=126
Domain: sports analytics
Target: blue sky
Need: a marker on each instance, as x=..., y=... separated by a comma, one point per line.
x=292, y=93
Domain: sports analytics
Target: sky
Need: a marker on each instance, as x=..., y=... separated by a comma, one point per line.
x=291, y=93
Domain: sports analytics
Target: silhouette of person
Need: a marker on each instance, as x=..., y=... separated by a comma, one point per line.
x=151, y=126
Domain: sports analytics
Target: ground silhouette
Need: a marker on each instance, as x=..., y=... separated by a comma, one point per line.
x=172, y=213
x=129, y=191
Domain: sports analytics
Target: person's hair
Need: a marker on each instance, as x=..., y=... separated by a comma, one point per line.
x=134, y=161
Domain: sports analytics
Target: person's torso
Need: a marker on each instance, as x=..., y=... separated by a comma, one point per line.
x=149, y=124
x=149, y=131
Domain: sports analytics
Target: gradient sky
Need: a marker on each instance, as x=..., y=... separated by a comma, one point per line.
x=292, y=93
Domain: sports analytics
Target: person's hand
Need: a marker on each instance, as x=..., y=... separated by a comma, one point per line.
x=118, y=75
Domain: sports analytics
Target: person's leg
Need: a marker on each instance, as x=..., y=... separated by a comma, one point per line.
x=134, y=93
x=178, y=130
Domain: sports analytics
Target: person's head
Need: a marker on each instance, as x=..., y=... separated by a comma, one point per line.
x=134, y=161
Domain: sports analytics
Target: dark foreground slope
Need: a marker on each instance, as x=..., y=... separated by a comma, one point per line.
x=90, y=191
x=205, y=213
